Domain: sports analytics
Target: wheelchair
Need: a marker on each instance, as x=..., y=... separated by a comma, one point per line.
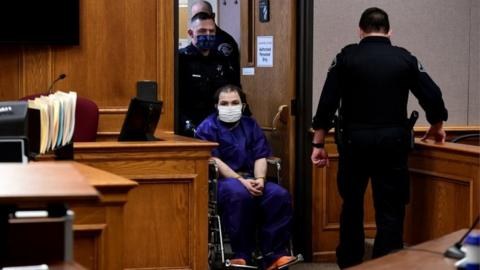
x=219, y=251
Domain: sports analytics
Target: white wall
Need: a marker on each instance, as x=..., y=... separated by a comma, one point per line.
x=474, y=93
x=442, y=34
x=229, y=17
x=214, y=4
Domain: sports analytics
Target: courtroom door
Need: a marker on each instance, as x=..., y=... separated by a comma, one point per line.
x=268, y=62
x=267, y=38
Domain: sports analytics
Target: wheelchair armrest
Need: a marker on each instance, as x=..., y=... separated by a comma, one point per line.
x=213, y=172
x=213, y=175
x=280, y=116
x=276, y=163
x=274, y=160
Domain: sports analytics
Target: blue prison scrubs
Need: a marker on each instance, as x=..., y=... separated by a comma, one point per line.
x=240, y=211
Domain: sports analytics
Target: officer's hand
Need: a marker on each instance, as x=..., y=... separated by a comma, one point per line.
x=436, y=132
x=319, y=157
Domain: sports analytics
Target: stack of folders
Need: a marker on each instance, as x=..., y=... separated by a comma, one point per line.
x=56, y=114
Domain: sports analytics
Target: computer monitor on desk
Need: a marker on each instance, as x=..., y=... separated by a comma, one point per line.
x=14, y=131
x=141, y=120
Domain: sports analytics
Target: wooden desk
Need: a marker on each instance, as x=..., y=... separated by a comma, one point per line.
x=98, y=224
x=41, y=183
x=98, y=227
x=38, y=186
x=445, y=196
x=428, y=255
x=165, y=218
x=445, y=190
x=66, y=266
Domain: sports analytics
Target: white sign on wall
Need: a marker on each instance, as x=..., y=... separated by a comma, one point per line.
x=264, y=51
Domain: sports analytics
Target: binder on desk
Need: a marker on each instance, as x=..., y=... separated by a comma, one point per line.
x=51, y=121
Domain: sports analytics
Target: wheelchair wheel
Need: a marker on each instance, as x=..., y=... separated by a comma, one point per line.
x=215, y=252
x=214, y=258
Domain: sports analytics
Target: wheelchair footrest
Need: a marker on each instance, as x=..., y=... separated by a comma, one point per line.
x=298, y=258
x=229, y=265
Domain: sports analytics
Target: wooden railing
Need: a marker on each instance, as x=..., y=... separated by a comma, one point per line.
x=445, y=191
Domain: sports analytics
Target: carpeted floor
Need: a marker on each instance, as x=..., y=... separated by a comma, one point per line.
x=333, y=266
x=315, y=266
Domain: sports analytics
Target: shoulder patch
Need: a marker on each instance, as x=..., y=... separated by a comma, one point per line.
x=403, y=50
x=350, y=46
x=333, y=64
x=184, y=51
x=420, y=67
x=225, y=49
x=189, y=50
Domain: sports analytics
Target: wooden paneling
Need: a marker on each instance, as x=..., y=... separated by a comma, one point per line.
x=87, y=246
x=98, y=228
x=10, y=79
x=96, y=198
x=165, y=221
x=326, y=206
x=274, y=86
x=121, y=42
x=445, y=190
x=445, y=195
x=166, y=206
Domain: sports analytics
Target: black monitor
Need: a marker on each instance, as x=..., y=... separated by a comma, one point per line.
x=13, y=131
x=13, y=118
x=141, y=120
x=40, y=22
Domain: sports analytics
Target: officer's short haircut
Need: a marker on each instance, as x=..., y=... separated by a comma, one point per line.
x=374, y=20
x=202, y=16
x=227, y=89
x=206, y=4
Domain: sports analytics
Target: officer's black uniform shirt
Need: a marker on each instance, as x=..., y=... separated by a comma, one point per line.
x=372, y=79
x=227, y=46
x=199, y=78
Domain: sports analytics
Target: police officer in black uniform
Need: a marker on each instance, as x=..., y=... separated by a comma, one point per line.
x=202, y=70
x=369, y=84
x=225, y=44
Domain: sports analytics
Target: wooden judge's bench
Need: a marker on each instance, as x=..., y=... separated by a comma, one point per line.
x=164, y=217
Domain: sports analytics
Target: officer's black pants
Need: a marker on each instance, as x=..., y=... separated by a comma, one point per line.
x=379, y=155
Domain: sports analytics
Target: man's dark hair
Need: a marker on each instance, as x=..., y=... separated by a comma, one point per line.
x=227, y=89
x=201, y=16
x=374, y=20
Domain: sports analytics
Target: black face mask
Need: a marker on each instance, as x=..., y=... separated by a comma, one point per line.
x=206, y=42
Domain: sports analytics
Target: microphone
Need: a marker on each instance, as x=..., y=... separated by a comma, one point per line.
x=60, y=77
x=455, y=251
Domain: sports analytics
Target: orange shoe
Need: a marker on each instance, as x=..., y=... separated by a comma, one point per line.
x=280, y=262
x=238, y=261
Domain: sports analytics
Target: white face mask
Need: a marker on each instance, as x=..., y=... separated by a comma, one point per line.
x=229, y=114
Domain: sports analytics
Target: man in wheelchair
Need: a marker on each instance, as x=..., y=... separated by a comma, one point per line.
x=248, y=204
